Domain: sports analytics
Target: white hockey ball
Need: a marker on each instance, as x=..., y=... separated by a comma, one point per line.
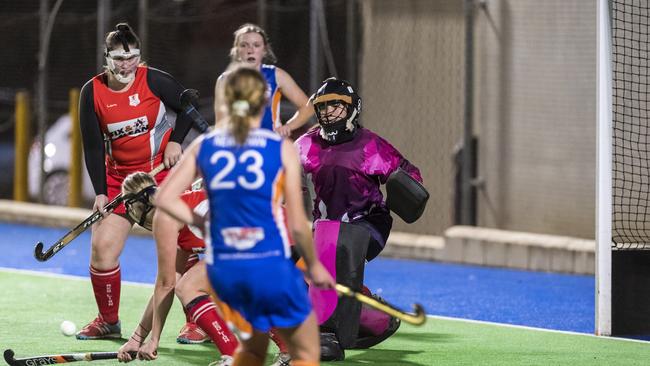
x=68, y=328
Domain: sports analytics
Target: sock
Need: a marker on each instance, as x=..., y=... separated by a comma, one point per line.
x=275, y=337
x=203, y=312
x=303, y=363
x=247, y=359
x=106, y=286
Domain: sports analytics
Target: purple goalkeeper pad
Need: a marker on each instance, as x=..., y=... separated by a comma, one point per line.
x=326, y=235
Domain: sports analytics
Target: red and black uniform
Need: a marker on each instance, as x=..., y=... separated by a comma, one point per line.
x=189, y=238
x=124, y=132
x=127, y=131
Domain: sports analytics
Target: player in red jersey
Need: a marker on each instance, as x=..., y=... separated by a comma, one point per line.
x=127, y=125
x=176, y=243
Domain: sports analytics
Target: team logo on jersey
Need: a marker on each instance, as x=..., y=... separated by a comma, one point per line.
x=131, y=127
x=200, y=210
x=242, y=238
x=134, y=100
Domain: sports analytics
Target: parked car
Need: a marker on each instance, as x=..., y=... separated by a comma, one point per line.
x=57, y=165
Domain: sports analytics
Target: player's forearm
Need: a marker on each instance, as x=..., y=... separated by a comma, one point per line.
x=300, y=117
x=176, y=208
x=163, y=298
x=144, y=327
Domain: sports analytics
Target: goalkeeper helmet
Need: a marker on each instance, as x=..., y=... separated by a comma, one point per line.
x=138, y=189
x=337, y=107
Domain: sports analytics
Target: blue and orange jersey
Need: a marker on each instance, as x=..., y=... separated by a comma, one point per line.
x=245, y=184
x=271, y=118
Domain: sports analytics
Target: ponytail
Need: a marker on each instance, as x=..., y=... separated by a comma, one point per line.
x=245, y=94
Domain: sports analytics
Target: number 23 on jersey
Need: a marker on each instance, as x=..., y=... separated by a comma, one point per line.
x=228, y=177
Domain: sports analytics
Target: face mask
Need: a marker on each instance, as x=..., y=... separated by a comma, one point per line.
x=123, y=64
x=340, y=131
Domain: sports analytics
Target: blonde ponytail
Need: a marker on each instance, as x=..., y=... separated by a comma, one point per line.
x=245, y=95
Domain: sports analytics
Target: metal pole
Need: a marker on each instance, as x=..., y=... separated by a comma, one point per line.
x=22, y=141
x=468, y=133
x=103, y=18
x=604, y=173
x=75, y=177
x=314, y=49
x=46, y=22
x=351, y=51
x=261, y=14
x=142, y=31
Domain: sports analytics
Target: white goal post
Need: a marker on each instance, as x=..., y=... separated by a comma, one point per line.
x=604, y=174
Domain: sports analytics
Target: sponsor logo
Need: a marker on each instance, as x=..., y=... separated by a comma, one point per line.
x=219, y=330
x=133, y=127
x=111, y=105
x=242, y=238
x=41, y=361
x=134, y=100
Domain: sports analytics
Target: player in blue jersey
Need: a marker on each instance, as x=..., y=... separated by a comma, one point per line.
x=248, y=171
x=251, y=47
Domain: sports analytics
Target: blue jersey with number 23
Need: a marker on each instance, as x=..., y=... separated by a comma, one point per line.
x=244, y=185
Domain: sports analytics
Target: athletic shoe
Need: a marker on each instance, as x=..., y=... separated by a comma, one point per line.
x=282, y=359
x=192, y=334
x=223, y=361
x=330, y=349
x=99, y=329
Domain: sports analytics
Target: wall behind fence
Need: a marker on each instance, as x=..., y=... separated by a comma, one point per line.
x=412, y=84
x=536, y=115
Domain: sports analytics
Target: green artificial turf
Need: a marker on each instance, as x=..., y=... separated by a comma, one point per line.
x=32, y=307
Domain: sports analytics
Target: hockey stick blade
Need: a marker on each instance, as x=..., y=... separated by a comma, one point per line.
x=83, y=226
x=418, y=317
x=61, y=358
x=72, y=234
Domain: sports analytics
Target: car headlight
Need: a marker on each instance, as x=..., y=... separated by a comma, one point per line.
x=50, y=150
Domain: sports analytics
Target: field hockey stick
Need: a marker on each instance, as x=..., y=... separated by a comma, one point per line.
x=83, y=226
x=189, y=96
x=417, y=318
x=62, y=358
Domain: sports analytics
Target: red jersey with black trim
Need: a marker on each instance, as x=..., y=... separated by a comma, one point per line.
x=134, y=122
x=190, y=239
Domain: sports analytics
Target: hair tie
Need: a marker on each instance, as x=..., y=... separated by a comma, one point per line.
x=240, y=108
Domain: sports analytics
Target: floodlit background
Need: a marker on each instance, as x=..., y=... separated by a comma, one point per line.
x=518, y=76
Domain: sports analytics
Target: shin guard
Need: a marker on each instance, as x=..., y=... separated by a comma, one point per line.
x=106, y=286
x=342, y=248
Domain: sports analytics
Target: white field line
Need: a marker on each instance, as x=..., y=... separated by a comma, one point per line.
x=64, y=276
x=148, y=285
